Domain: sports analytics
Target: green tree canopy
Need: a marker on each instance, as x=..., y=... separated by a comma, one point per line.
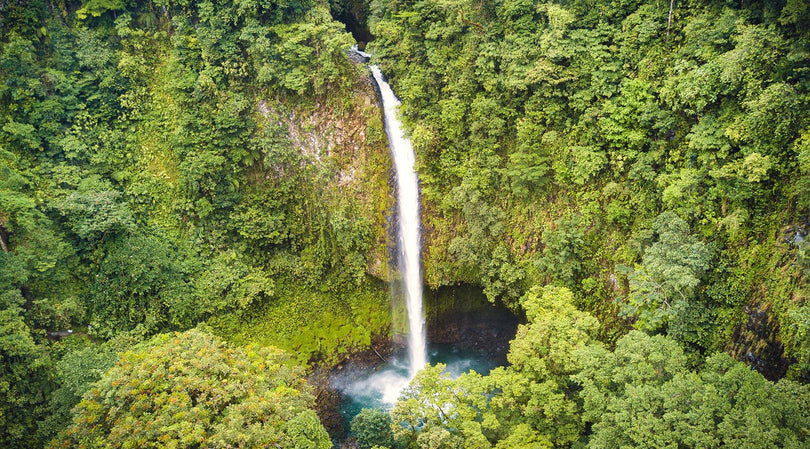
x=564, y=389
x=669, y=274
x=643, y=395
x=436, y=411
x=530, y=402
x=372, y=427
x=24, y=376
x=535, y=392
x=191, y=389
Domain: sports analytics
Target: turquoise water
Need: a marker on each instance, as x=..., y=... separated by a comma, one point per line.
x=380, y=387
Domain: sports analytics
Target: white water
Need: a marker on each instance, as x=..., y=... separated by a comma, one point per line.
x=383, y=388
x=409, y=227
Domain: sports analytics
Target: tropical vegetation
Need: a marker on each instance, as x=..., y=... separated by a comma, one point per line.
x=195, y=211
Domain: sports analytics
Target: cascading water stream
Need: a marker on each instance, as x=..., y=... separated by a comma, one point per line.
x=409, y=221
x=409, y=227
x=381, y=387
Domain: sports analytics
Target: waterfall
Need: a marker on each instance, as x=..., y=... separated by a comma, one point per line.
x=409, y=227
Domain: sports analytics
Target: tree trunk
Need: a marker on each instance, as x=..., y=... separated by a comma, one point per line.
x=669, y=20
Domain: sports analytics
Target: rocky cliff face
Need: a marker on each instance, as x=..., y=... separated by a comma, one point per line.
x=343, y=137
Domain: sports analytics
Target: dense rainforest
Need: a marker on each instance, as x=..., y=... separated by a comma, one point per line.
x=195, y=212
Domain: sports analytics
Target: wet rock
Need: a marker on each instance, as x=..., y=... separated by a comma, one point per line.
x=358, y=57
x=757, y=343
x=329, y=398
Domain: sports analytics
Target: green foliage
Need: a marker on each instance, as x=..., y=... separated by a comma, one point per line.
x=523, y=115
x=301, y=46
x=75, y=374
x=561, y=382
x=534, y=392
x=338, y=321
x=525, y=173
x=556, y=326
x=158, y=168
x=372, y=427
x=527, y=403
x=351, y=235
x=35, y=260
x=228, y=284
x=192, y=389
x=803, y=183
x=167, y=163
x=478, y=255
x=140, y=282
x=670, y=272
x=24, y=376
x=436, y=411
x=95, y=215
x=562, y=254
x=643, y=394
x=96, y=8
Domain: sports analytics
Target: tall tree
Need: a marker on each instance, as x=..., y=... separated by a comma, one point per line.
x=669, y=273
x=193, y=390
